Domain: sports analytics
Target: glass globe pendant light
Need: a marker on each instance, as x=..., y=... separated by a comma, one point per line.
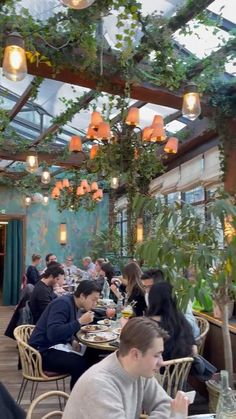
x=191, y=108
x=77, y=4
x=32, y=162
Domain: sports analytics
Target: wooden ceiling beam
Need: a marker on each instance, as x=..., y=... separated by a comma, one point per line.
x=75, y=160
x=22, y=100
x=144, y=92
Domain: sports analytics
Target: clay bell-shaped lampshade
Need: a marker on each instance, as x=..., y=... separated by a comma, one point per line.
x=96, y=119
x=84, y=183
x=14, y=65
x=80, y=191
x=158, y=119
x=132, y=117
x=104, y=131
x=158, y=133
x=65, y=183
x=98, y=195
x=171, y=145
x=59, y=184
x=45, y=176
x=94, y=187
x=75, y=144
x=91, y=133
x=146, y=133
x=55, y=193
x=93, y=151
x=191, y=108
x=32, y=162
x=77, y=4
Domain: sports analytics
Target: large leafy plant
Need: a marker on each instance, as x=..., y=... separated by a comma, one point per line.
x=182, y=239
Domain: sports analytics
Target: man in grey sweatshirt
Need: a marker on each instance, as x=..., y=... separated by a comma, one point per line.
x=123, y=384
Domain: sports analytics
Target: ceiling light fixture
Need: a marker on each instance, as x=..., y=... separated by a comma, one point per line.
x=77, y=4
x=14, y=61
x=191, y=108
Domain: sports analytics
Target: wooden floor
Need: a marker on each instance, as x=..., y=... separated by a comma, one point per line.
x=11, y=377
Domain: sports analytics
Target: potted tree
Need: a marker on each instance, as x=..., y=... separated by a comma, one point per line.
x=181, y=239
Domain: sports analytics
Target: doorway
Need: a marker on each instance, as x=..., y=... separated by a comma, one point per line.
x=12, y=254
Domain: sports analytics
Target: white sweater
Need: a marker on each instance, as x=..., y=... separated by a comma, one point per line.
x=107, y=391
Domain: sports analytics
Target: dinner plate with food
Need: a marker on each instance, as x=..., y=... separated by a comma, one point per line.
x=100, y=337
x=91, y=328
x=117, y=330
x=106, y=322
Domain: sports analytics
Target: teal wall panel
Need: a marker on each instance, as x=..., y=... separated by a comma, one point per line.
x=42, y=226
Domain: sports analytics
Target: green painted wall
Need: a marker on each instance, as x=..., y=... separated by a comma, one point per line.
x=42, y=226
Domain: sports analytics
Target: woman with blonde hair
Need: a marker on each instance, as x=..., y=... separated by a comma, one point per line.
x=134, y=290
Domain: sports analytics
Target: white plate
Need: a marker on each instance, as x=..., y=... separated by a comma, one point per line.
x=101, y=337
x=117, y=331
x=94, y=328
x=111, y=322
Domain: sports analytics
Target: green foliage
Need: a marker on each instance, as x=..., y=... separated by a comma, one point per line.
x=182, y=240
x=100, y=246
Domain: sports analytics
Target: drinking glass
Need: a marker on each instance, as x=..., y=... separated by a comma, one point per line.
x=110, y=312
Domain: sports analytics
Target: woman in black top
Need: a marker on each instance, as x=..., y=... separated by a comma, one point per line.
x=163, y=309
x=134, y=291
x=32, y=272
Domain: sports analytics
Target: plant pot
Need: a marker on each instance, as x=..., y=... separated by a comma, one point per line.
x=214, y=388
x=217, y=311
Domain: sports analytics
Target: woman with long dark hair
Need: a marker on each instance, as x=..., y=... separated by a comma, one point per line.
x=163, y=309
x=134, y=290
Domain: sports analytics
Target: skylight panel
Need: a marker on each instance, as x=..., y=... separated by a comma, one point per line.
x=175, y=126
x=203, y=41
x=224, y=8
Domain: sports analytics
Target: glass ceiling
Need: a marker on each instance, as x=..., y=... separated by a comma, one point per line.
x=34, y=118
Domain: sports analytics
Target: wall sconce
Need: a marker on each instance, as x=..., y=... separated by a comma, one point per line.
x=191, y=108
x=28, y=200
x=14, y=61
x=139, y=230
x=63, y=233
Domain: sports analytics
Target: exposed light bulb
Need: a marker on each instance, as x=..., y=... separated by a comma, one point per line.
x=114, y=182
x=191, y=108
x=45, y=199
x=14, y=60
x=77, y=4
x=32, y=163
x=45, y=177
x=27, y=200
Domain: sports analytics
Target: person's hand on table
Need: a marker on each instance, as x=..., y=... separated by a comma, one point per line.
x=115, y=290
x=179, y=405
x=86, y=318
x=76, y=346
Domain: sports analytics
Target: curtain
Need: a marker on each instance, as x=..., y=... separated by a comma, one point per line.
x=13, y=262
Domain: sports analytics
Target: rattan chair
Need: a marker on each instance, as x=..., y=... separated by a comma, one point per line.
x=175, y=374
x=31, y=362
x=49, y=394
x=204, y=327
